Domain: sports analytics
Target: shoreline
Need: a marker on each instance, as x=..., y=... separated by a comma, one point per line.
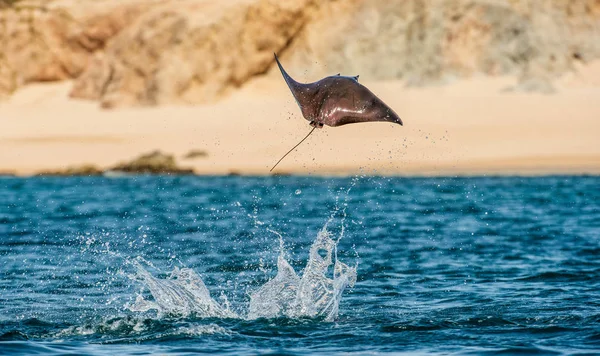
x=470, y=127
x=466, y=175
x=589, y=167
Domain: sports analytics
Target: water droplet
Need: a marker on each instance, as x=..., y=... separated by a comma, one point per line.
x=298, y=192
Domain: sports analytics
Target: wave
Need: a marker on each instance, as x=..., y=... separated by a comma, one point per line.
x=558, y=276
x=134, y=329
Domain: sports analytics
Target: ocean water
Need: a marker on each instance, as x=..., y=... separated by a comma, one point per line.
x=297, y=265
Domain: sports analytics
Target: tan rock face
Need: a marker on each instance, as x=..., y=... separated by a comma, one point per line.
x=154, y=52
x=53, y=40
x=425, y=41
x=191, y=51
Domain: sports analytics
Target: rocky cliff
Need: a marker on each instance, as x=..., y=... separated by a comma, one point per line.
x=44, y=41
x=133, y=52
x=424, y=41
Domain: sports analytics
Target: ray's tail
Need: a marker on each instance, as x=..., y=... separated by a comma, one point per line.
x=293, y=148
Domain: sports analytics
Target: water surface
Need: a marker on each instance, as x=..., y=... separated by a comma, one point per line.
x=443, y=265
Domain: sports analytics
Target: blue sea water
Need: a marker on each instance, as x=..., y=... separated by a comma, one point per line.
x=497, y=265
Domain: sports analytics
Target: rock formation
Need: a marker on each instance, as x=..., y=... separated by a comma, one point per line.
x=193, y=154
x=154, y=162
x=82, y=170
x=45, y=40
x=191, y=51
x=429, y=41
x=128, y=52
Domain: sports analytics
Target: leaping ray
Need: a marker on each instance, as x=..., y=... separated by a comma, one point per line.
x=335, y=101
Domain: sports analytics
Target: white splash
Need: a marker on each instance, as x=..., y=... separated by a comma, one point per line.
x=314, y=295
x=183, y=293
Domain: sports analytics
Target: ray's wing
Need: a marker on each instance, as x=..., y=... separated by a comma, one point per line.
x=358, y=104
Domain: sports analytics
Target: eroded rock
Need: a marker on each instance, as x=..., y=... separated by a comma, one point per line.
x=193, y=154
x=155, y=52
x=154, y=162
x=82, y=170
x=191, y=51
x=431, y=41
x=46, y=40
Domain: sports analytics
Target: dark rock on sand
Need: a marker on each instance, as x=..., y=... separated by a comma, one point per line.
x=195, y=154
x=154, y=162
x=82, y=170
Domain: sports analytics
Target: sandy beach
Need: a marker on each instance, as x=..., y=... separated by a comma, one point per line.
x=475, y=126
